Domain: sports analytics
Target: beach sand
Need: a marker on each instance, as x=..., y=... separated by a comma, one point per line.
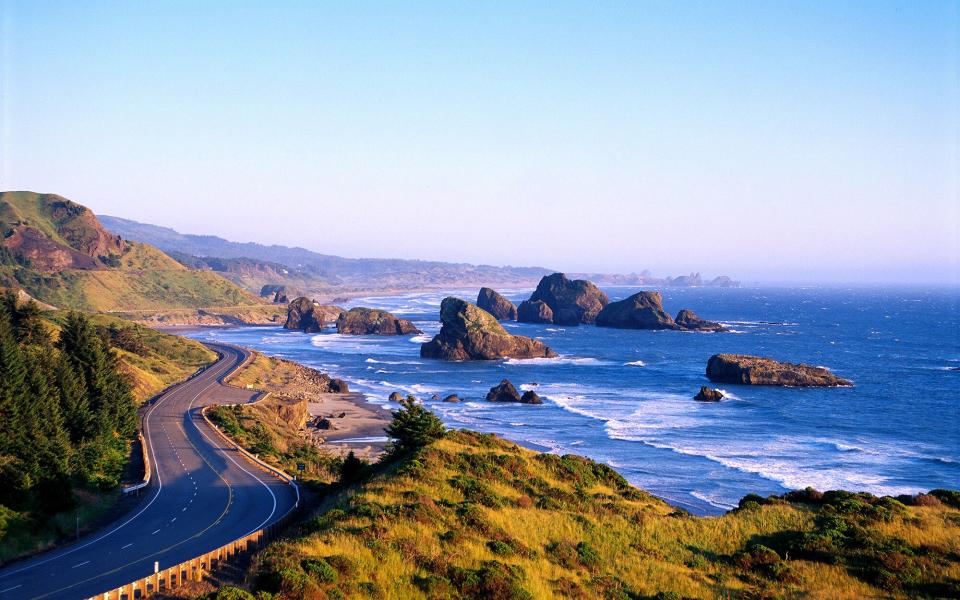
x=355, y=424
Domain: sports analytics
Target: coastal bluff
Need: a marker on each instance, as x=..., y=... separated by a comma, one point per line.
x=757, y=370
x=470, y=333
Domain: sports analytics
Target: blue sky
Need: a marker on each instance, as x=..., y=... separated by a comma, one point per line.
x=768, y=140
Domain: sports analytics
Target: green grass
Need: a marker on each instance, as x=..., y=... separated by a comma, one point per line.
x=473, y=515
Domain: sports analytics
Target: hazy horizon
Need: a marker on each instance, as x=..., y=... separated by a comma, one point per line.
x=773, y=143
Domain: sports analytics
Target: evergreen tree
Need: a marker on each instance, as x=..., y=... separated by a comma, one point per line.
x=12, y=387
x=413, y=426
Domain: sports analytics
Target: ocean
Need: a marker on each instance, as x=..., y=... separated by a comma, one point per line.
x=625, y=397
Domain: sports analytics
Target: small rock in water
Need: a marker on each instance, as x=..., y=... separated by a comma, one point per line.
x=395, y=397
x=708, y=395
x=503, y=392
x=530, y=397
x=435, y=398
x=452, y=398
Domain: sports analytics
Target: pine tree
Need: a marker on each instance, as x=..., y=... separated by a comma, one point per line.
x=12, y=387
x=413, y=426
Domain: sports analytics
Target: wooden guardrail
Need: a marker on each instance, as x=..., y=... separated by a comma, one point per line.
x=279, y=473
x=165, y=580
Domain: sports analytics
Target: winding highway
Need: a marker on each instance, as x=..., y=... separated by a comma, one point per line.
x=202, y=495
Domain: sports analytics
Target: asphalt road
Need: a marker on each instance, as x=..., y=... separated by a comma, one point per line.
x=202, y=495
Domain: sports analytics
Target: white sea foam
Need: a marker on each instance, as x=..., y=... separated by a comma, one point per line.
x=559, y=360
x=636, y=363
x=712, y=501
x=421, y=339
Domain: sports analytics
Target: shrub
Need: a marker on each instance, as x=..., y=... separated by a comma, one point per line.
x=500, y=548
x=228, y=592
x=352, y=469
x=320, y=570
x=474, y=490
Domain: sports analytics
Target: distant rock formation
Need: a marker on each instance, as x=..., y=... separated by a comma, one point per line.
x=708, y=395
x=534, y=312
x=495, y=304
x=395, y=397
x=370, y=321
x=571, y=301
x=278, y=293
x=506, y=392
x=309, y=316
x=452, y=398
x=469, y=333
x=690, y=321
x=756, y=370
x=643, y=310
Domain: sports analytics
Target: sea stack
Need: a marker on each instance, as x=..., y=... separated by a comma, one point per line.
x=644, y=310
x=370, y=321
x=571, y=302
x=310, y=316
x=495, y=304
x=757, y=370
x=469, y=333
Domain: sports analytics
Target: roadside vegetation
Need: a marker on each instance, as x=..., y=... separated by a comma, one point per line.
x=69, y=392
x=460, y=514
x=67, y=414
x=270, y=429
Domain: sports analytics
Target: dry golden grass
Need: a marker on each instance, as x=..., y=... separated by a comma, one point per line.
x=475, y=516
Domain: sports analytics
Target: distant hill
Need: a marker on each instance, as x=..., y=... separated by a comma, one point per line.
x=311, y=271
x=58, y=252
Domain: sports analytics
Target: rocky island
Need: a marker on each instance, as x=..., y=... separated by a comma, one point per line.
x=756, y=370
x=644, y=310
x=506, y=392
x=495, y=304
x=309, y=316
x=564, y=301
x=370, y=321
x=470, y=333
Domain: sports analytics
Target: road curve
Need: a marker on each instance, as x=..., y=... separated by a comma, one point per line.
x=203, y=494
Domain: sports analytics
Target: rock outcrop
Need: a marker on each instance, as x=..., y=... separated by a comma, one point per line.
x=572, y=301
x=530, y=397
x=534, y=312
x=708, y=395
x=395, y=397
x=506, y=392
x=495, y=304
x=503, y=392
x=643, y=310
x=690, y=321
x=452, y=398
x=370, y=321
x=309, y=316
x=756, y=370
x=470, y=333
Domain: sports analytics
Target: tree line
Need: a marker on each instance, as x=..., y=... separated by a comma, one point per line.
x=67, y=412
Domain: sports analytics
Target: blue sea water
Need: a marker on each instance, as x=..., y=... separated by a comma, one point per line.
x=625, y=397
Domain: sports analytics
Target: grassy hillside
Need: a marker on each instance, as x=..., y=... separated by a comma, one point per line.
x=59, y=253
x=474, y=516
